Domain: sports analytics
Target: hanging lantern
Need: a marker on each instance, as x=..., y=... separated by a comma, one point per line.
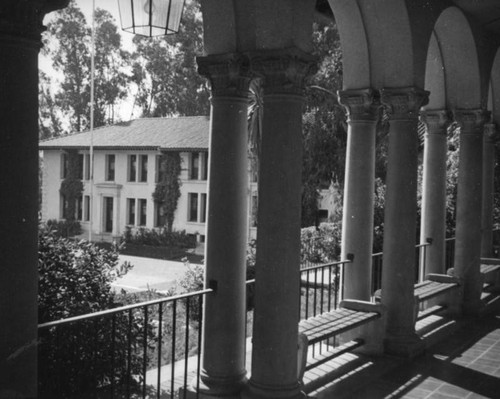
x=151, y=17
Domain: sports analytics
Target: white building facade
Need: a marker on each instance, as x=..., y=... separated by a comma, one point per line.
x=125, y=176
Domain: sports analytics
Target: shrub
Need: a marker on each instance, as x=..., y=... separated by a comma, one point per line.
x=159, y=237
x=64, y=228
x=75, y=359
x=320, y=244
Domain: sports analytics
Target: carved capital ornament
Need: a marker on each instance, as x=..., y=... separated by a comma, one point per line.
x=23, y=19
x=436, y=121
x=228, y=74
x=471, y=121
x=403, y=103
x=360, y=105
x=283, y=72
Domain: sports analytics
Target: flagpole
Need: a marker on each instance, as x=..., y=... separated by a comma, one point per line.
x=91, y=156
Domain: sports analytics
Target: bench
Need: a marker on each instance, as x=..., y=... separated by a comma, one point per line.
x=438, y=293
x=357, y=325
x=490, y=270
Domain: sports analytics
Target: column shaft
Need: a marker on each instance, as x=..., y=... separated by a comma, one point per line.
x=277, y=289
x=398, y=276
x=490, y=137
x=433, y=218
x=224, y=373
x=357, y=224
x=469, y=204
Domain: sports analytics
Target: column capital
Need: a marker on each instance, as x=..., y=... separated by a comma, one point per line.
x=24, y=19
x=360, y=105
x=403, y=103
x=491, y=133
x=283, y=72
x=228, y=74
x=436, y=120
x=471, y=121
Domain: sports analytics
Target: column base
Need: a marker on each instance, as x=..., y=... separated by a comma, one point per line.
x=255, y=390
x=406, y=346
x=473, y=308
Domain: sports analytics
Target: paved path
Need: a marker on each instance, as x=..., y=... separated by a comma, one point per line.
x=157, y=274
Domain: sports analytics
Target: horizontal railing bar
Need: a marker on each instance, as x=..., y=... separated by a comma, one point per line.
x=123, y=308
x=340, y=262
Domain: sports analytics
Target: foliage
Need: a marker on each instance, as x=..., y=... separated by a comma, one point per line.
x=167, y=191
x=72, y=186
x=324, y=130
x=321, y=244
x=378, y=215
x=74, y=279
x=68, y=44
x=165, y=70
x=49, y=121
x=159, y=237
x=70, y=56
x=64, y=228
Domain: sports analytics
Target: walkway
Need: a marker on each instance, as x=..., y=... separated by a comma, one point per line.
x=465, y=366
x=148, y=273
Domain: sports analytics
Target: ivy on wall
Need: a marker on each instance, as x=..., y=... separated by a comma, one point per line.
x=72, y=186
x=167, y=191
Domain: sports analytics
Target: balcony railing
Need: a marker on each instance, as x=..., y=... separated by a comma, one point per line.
x=420, y=259
x=321, y=288
x=145, y=350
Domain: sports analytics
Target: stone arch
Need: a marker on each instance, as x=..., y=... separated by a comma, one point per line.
x=453, y=42
x=380, y=49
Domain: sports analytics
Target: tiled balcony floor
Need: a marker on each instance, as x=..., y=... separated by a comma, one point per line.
x=465, y=365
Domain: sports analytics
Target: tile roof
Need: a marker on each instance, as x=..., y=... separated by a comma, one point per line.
x=175, y=134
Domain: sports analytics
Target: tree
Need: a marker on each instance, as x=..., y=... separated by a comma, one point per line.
x=49, y=121
x=110, y=61
x=165, y=70
x=68, y=43
x=324, y=129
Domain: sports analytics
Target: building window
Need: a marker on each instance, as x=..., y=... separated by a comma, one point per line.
x=86, y=166
x=203, y=208
x=110, y=167
x=193, y=207
x=142, y=212
x=194, y=166
x=64, y=165
x=132, y=167
x=80, y=167
x=204, y=170
x=131, y=211
x=79, y=208
x=143, y=168
x=86, y=208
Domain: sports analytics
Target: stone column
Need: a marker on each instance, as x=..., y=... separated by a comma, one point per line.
x=433, y=218
x=398, y=276
x=223, y=365
x=20, y=28
x=357, y=225
x=490, y=138
x=469, y=204
x=277, y=288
